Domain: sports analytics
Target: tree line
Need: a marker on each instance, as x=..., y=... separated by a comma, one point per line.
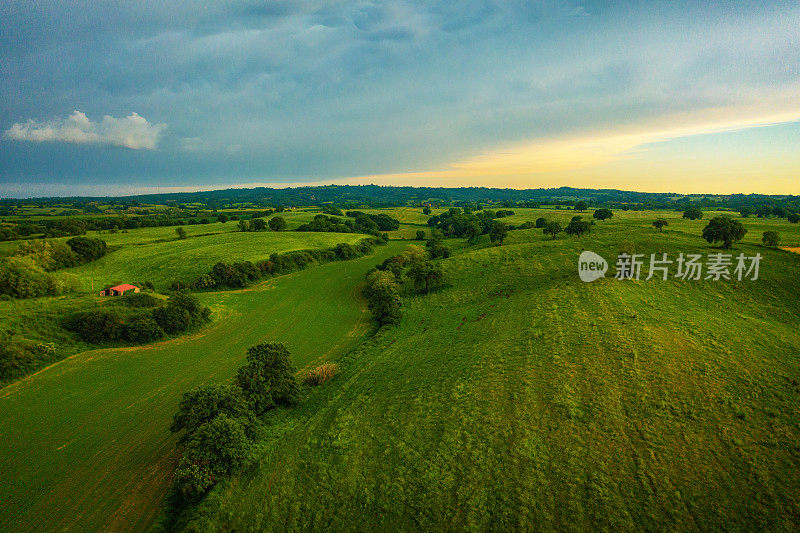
x=241, y=274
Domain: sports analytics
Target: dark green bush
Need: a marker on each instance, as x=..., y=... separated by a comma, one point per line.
x=143, y=330
x=268, y=377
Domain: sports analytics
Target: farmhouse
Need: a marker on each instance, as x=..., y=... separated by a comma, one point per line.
x=119, y=290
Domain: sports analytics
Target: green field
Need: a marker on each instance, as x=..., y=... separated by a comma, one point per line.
x=185, y=260
x=84, y=443
x=516, y=398
x=522, y=398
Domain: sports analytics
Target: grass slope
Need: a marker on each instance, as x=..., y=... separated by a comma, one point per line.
x=521, y=398
x=84, y=444
x=185, y=260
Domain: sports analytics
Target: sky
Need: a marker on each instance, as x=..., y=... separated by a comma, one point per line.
x=141, y=96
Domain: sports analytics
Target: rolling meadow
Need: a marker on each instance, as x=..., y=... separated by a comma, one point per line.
x=515, y=398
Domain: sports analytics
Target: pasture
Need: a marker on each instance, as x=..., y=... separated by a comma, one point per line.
x=518, y=397
x=185, y=260
x=84, y=444
x=522, y=398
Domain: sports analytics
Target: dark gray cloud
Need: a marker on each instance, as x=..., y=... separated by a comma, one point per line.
x=286, y=91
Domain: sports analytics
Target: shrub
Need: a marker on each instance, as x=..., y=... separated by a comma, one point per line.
x=541, y=222
x=87, y=248
x=344, y=251
x=143, y=330
x=138, y=299
x=420, y=235
x=267, y=378
x=437, y=250
x=414, y=253
x=20, y=277
x=97, y=326
x=527, y=225
x=321, y=374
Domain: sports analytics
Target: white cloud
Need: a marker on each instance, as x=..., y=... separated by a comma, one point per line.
x=133, y=131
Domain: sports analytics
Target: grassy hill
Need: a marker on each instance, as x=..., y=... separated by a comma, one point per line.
x=185, y=260
x=522, y=398
x=516, y=398
x=84, y=444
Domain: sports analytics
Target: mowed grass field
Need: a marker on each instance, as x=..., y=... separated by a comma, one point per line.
x=185, y=260
x=521, y=398
x=84, y=444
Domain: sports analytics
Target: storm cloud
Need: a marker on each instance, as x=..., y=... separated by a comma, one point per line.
x=293, y=91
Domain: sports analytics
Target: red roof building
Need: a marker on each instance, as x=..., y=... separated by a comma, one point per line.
x=119, y=290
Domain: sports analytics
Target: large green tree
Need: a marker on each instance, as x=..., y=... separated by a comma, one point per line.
x=724, y=229
x=267, y=378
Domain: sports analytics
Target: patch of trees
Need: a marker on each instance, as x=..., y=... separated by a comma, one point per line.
x=692, y=213
x=136, y=324
x=412, y=272
x=27, y=274
x=458, y=223
x=362, y=223
x=220, y=424
x=242, y=274
x=276, y=223
x=725, y=230
x=578, y=227
x=603, y=214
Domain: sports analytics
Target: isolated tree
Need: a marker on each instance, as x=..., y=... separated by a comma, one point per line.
x=426, y=276
x=498, y=233
x=552, y=228
x=603, y=214
x=660, y=224
x=692, y=213
x=258, y=224
x=420, y=235
x=181, y=232
x=724, y=229
x=793, y=218
x=578, y=227
x=770, y=238
x=277, y=223
x=426, y=210
x=581, y=206
x=267, y=378
x=541, y=222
